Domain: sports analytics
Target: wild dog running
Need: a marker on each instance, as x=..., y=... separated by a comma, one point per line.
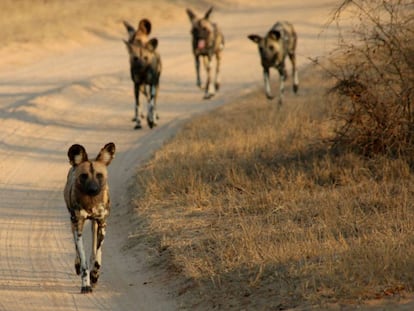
x=145, y=70
x=207, y=41
x=87, y=198
x=279, y=42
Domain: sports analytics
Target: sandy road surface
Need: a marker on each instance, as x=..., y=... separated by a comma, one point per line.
x=85, y=96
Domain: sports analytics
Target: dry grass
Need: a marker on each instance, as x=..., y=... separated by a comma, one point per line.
x=375, y=78
x=251, y=207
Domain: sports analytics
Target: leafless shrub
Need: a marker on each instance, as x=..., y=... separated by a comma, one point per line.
x=374, y=90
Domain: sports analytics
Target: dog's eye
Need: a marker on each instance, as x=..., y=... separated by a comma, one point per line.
x=83, y=177
x=99, y=175
x=271, y=48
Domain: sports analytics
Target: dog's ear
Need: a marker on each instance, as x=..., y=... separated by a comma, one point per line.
x=275, y=34
x=255, y=38
x=191, y=15
x=130, y=29
x=106, y=154
x=77, y=154
x=152, y=44
x=207, y=15
x=145, y=26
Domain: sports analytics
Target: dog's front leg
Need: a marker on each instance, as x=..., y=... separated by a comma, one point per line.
x=282, y=78
x=137, y=87
x=98, y=236
x=84, y=269
x=197, y=67
x=209, y=90
x=292, y=57
x=217, y=77
x=267, y=83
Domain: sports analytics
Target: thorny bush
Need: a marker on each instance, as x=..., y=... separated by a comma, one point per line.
x=374, y=87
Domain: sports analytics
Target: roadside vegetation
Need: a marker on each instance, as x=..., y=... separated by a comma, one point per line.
x=258, y=208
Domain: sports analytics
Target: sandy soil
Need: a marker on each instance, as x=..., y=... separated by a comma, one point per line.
x=83, y=95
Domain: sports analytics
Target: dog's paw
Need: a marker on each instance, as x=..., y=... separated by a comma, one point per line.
x=94, y=276
x=77, y=268
x=295, y=88
x=86, y=289
x=208, y=95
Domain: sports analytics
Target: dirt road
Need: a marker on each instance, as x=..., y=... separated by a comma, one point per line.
x=85, y=96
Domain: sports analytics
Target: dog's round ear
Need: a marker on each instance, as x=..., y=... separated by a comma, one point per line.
x=254, y=38
x=191, y=15
x=145, y=26
x=275, y=34
x=207, y=15
x=106, y=154
x=152, y=44
x=77, y=154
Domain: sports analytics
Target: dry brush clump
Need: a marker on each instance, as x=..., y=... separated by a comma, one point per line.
x=375, y=78
x=250, y=205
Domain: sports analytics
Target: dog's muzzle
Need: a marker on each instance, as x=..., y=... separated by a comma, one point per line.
x=92, y=188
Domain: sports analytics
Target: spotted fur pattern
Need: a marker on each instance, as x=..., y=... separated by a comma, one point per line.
x=145, y=70
x=207, y=42
x=87, y=198
x=279, y=42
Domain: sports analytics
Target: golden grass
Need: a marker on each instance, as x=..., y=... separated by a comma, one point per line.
x=252, y=207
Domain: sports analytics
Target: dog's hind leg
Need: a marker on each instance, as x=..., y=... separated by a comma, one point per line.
x=98, y=236
x=151, y=115
x=84, y=269
x=197, y=68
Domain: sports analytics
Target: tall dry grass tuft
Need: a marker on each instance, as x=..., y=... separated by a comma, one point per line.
x=249, y=204
x=375, y=78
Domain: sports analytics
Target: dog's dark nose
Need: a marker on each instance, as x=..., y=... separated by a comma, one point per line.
x=93, y=189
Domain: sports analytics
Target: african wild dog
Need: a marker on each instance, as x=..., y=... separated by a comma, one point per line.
x=87, y=198
x=207, y=41
x=145, y=69
x=279, y=42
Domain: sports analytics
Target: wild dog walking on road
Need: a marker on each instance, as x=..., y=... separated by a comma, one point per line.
x=87, y=198
x=207, y=41
x=278, y=43
x=145, y=70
